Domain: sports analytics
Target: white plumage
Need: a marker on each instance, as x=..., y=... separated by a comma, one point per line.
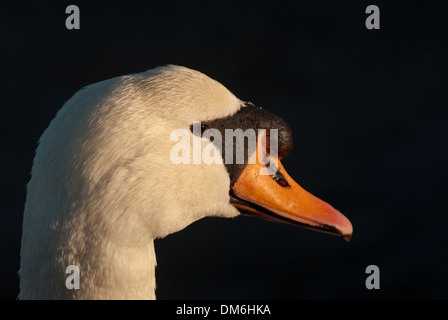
x=103, y=186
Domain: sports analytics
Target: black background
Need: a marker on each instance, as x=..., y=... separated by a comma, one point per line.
x=368, y=110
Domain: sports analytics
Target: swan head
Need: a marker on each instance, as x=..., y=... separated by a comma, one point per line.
x=107, y=173
x=107, y=157
x=210, y=116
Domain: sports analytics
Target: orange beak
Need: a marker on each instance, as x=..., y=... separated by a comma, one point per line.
x=275, y=196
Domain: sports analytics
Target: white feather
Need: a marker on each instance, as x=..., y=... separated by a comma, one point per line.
x=103, y=186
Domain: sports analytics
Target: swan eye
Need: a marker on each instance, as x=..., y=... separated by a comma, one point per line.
x=204, y=126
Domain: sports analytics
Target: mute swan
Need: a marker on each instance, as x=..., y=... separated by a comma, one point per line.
x=103, y=186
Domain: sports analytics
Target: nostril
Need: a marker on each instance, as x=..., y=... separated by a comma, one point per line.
x=282, y=182
x=280, y=179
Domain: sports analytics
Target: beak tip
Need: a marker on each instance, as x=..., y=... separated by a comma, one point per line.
x=347, y=237
x=347, y=231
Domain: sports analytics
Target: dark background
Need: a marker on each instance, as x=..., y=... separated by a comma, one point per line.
x=368, y=110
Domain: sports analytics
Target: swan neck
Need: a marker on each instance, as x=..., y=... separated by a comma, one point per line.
x=121, y=272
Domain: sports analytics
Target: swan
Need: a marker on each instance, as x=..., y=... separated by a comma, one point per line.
x=103, y=186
